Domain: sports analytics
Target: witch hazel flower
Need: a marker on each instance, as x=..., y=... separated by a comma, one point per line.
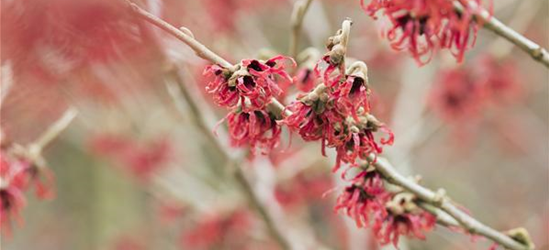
x=306, y=78
x=389, y=213
x=364, y=199
x=313, y=115
x=455, y=96
x=12, y=185
x=251, y=84
x=335, y=57
x=357, y=140
x=462, y=93
x=336, y=112
x=18, y=174
x=423, y=26
x=258, y=129
x=403, y=218
x=140, y=158
x=353, y=92
x=217, y=231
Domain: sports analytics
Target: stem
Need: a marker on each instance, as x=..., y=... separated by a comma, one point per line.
x=298, y=14
x=182, y=34
x=467, y=222
x=202, y=51
x=185, y=36
x=258, y=206
x=52, y=132
x=239, y=176
x=537, y=52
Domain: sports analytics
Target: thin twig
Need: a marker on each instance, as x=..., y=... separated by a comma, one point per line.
x=52, y=132
x=438, y=200
x=298, y=14
x=537, y=52
x=185, y=36
x=202, y=51
x=239, y=176
x=182, y=34
x=500, y=47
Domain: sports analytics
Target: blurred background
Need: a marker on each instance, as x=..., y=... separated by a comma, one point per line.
x=133, y=171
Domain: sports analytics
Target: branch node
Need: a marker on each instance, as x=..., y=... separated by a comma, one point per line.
x=440, y=197
x=522, y=236
x=187, y=31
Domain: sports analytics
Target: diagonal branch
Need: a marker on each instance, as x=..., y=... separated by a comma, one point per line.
x=234, y=164
x=438, y=200
x=298, y=14
x=34, y=149
x=182, y=34
x=537, y=52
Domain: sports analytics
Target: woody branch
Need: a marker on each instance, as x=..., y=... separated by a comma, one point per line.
x=490, y=22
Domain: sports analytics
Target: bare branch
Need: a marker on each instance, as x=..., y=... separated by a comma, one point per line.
x=537, y=52
x=298, y=14
x=52, y=132
x=442, y=202
x=182, y=34
x=234, y=164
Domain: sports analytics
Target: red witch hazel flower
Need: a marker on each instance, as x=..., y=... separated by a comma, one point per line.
x=141, y=159
x=252, y=83
x=462, y=92
x=219, y=232
x=404, y=218
x=455, y=96
x=353, y=92
x=18, y=175
x=357, y=140
x=364, y=198
x=390, y=215
x=335, y=57
x=498, y=79
x=337, y=111
x=422, y=26
x=12, y=184
x=313, y=115
x=254, y=128
x=306, y=77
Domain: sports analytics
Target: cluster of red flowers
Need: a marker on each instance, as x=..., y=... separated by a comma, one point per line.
x=423, y=26
x=390, y=215
x=303, y=189
x=18, y=174
x=219, y=231
x=247, y=89
x=462, y=93
x=140, y=159
x=336, y=112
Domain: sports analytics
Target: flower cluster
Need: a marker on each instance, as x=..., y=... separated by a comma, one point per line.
x=306, y=78
x=255, y=128
x=390, y=215
x=247, y=89
x=219, y=231
x=140, y=159
x=18, y=174
x=337, y=113
x=461, y=93
x=423, y=26
x=302, y=190
x=251, y=84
